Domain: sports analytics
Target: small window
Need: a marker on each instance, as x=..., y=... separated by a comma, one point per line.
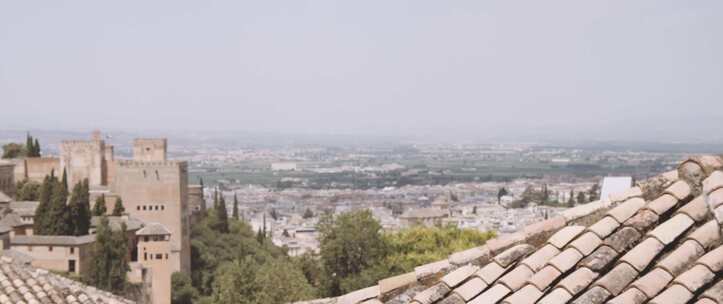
x=166, y=256
x=144, y=207
x=144, y=173
x=138, y=208
x=50, y=248
x=159, y=256
x=72, y=250
x=145, y=238
x=163, y=207
x=156, y=207
x=158, y=177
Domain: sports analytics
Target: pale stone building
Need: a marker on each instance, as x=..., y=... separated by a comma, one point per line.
x=154, y=191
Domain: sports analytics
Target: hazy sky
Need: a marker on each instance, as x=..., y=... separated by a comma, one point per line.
x=643, y=69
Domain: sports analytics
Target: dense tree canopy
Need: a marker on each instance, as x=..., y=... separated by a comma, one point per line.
x=110, y=258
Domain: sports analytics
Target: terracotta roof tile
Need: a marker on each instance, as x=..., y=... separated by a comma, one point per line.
x=491, y=272
x=600, y=258
x=546, y=226
x=360, y=295
x=715, y=198
x=432, y=294
x=643, y=221
x=618, y=278
x=566, y=259
x=564, y=236
x=583, y=210
x=458, y=276
x=653, y=282
x=707, y=235
x=604, y=227
x=578, y=280
x=675, y=294
x=681, y=257
x=527, y=295
x=697, y=209
x=431, y=268
x=501, y=243
x=627, y=194
x=705, y=301
x=671, y=229
x=556, y=296
x=596, y=294
x=713, y=260
x=471, y=288
x=627, y=209
x=389, y=284
x=680, y=189
x=715, y=292
x=470, y=255
x=713, y=182
x=538, y=259
x=695, y=278
x=630, y=296
x=623, y=239
x=544, y=278
x=718, y=214
x=517, y=277
x=513, y=254
x=641, y=255
x=586, y=243
x=452, y=299
x=492, y=295
x=662, y=204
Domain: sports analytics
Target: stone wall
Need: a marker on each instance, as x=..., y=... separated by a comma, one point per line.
x=7, y=178
x=158, y=192
x=83, y=159
x=36, y=168
x=149, y=149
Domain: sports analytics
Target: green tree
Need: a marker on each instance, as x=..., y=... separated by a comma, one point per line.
x=27, y=191
x=571, y=199
x=118, y=208
x=57, y=220
x=308, y=214
x=594, y=193
x=274, y=214
x=502, y=191
x=110, y=258
x=99, y=207
x=40, y=220
x=268, y=276
x=221, y=216
x=235, y=207
x=182, y=290
x=36, y=148
x=235, y=283
x=349, y=244
x=581, y=199
x=79, y=213
x=13, y=150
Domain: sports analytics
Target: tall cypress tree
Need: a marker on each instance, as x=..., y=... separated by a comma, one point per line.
x=36, y=148
x=203, y=197
x=74, y=212
x=222, y=215
x=110, y=258
x=85, y=207
x=118, y=208
x=99, y=208
x=29, y=150
x=40, y=221
x=58, y=217
x=235, y=207
x=64, y=180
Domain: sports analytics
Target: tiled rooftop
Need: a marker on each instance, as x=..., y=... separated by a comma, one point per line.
x=658, y=242
x=24, y=284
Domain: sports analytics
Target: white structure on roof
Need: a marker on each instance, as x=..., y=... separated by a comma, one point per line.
x=615, y=185
x=284, y=166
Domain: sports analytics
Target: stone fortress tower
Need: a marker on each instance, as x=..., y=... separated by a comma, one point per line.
x=153, y=188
